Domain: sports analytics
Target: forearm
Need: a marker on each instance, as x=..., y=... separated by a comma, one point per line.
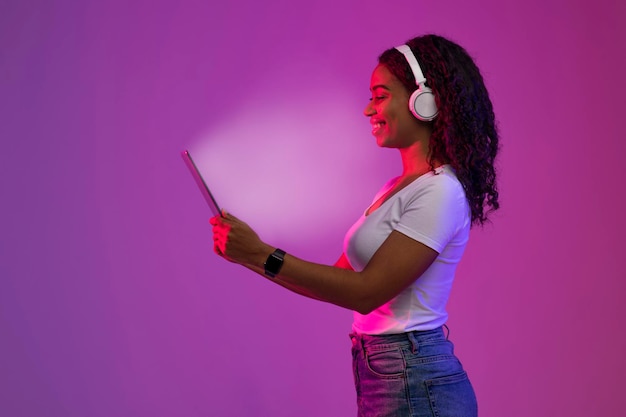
x=342, y=287
x=284, y=284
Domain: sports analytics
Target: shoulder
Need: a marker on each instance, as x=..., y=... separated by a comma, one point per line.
x=442, y=184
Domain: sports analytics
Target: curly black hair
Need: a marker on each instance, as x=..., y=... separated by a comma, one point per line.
x=464, y=132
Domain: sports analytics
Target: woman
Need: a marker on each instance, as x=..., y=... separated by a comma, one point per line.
x=399, y=258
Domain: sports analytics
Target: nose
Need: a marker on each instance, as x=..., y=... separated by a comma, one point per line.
x=369, y=109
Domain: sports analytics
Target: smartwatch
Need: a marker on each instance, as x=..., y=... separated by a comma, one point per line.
x=274, y=263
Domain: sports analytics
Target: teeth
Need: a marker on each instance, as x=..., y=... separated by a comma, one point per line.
x=377, y=126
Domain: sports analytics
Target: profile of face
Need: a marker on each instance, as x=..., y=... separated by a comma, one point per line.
x=393, y=125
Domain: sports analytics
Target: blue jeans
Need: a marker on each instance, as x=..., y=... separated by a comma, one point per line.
x=410, y=374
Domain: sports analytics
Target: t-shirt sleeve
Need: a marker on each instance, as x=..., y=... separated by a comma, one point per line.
x=434, y=213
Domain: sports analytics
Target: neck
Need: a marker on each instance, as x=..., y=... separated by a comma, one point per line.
x=415, y=159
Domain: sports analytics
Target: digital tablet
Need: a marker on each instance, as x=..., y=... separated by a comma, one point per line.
x=204, y=189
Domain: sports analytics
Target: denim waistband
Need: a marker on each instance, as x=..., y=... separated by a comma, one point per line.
x=414, y=338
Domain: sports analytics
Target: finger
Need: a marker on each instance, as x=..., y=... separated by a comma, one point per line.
x=226, y=216
x=222, y=225
x=218, y=220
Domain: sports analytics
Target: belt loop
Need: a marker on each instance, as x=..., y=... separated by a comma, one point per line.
x=414, y=343
x=447, y=331
x=354, y=339
x=357, y=341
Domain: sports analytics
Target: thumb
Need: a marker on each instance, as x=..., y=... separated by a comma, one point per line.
x=227, y=215
x=231, y=218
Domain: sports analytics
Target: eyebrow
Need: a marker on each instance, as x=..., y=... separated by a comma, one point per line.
x=379, y=86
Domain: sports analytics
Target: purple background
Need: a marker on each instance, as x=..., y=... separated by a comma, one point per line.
x=111, y=300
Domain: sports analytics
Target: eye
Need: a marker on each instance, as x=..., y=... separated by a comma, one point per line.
x=376, y=99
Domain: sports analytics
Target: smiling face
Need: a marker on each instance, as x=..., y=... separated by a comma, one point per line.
x=393, y=125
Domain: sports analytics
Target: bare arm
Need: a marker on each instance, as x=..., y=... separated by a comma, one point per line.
x=393, y=267
x=342, y=262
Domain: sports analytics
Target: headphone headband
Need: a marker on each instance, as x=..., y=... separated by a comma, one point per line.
x=415, y=66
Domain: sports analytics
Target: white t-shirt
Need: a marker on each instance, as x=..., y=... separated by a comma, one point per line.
x=433, y=210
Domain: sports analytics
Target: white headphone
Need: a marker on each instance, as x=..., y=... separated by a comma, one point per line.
x=422, y=102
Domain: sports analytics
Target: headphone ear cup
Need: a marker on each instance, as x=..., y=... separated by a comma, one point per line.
x=422, y=104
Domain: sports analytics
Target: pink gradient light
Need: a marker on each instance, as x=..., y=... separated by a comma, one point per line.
x=275, y=167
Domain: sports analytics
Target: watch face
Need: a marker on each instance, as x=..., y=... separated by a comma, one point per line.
x=274, y=262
